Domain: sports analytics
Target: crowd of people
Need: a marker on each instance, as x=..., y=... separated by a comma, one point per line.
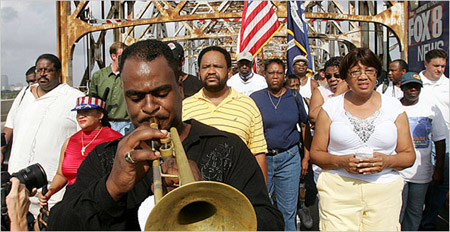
x=373, y=156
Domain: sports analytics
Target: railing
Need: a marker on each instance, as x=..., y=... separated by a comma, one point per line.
x=6, y=105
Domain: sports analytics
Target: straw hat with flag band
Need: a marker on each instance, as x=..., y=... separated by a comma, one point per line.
x=89, y=102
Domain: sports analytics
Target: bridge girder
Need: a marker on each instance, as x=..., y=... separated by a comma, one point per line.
x=202, y=23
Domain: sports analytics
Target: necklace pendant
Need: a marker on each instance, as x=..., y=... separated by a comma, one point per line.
x=83, y=149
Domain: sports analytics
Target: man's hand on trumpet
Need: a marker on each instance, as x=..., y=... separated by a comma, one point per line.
x=170, y=167
x=130, y=163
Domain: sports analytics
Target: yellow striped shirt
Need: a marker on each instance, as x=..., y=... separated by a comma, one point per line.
x=237, y=114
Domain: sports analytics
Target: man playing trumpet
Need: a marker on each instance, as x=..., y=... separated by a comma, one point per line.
x=114, y=178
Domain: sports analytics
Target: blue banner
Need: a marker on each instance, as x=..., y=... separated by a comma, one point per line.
x=298, y=43
x=428, y=29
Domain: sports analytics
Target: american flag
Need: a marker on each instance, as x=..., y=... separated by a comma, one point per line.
x=259, y=24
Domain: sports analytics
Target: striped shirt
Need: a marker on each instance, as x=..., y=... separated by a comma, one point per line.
x=236, y=114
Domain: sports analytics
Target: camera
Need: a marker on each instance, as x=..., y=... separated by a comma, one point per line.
x=32, y=176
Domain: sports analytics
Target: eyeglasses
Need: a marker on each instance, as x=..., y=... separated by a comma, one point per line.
x=335, y=75
x=368, y=72
x=46, y=71
x=300, y=64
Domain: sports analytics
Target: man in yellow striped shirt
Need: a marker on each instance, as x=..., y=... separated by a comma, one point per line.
x=224, y=108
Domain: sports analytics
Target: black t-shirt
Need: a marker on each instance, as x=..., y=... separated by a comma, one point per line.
x=220, y=156
x=191, y=85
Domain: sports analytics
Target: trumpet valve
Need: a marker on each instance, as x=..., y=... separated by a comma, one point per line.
x=166, y=149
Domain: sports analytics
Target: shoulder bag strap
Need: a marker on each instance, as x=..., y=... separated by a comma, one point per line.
x=23, y=95
x=300, y=140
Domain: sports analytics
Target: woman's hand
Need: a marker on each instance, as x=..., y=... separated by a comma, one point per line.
x=349, y=163
x=341, y=88
x=43, y=199
x=305, y=164
x=372, y=165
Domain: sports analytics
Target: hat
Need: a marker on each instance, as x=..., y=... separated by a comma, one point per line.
x=300, y=58
x=245, y=56
x=89, y=102
x=176, y=48
x=411, y=77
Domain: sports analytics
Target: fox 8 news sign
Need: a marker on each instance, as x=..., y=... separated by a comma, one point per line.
x=428, y=28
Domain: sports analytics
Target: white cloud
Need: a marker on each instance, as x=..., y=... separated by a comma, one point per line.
x=28, y=29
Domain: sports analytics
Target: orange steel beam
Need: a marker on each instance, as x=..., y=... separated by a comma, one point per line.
x=71, y=28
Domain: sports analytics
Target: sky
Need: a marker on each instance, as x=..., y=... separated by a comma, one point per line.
x=28, y=29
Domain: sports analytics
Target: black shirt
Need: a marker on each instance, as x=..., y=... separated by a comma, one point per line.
x=220, y=156
x=191, y=85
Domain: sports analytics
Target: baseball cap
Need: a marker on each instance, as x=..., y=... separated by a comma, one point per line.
x=89, y=102
x=176, y=48
x=299, y=58
x=411, y=77
x=245, y=56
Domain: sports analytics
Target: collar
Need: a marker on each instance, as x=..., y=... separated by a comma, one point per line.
x=109, y=70
x=199, y=131
x=55, y=91
x=246, y=78
x=232, y=95
x=427, y=81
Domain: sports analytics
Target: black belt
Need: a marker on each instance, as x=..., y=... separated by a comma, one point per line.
x=273, y=152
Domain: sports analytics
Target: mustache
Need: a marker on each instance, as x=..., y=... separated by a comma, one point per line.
x=212, y=76
x=43, y=77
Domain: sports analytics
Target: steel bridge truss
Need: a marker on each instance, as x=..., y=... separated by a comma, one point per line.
x=333, y=28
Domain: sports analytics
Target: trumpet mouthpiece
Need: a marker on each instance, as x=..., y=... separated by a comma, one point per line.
x=154, y=123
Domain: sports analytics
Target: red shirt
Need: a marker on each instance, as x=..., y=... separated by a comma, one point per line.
x=73, y=157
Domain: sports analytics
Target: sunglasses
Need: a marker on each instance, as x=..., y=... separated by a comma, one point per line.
x=329, y=76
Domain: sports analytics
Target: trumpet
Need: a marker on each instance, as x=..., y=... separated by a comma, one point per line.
x=195, y=205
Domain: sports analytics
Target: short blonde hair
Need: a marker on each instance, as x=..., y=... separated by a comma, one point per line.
x=116, y=46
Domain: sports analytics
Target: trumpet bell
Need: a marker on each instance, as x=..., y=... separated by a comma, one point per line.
x=203, y=205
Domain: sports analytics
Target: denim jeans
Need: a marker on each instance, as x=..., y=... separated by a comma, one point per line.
x=413, y=199
x=283, y=173
x=123, y=127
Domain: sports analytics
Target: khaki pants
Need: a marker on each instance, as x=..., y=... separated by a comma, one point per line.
x=347, y=204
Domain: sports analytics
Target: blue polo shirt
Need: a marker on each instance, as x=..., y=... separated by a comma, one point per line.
x=279, y=124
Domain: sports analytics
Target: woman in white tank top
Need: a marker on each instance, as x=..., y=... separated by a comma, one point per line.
x=361, y=193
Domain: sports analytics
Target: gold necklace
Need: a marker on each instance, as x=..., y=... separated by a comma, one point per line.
x=83, y=148
x=271, y=101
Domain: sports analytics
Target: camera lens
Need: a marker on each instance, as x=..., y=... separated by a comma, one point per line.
x=32, y=176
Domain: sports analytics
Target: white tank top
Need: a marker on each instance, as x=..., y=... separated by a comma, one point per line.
x=347, y=134
x=305, y=90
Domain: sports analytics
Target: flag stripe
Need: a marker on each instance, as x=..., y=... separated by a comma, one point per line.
x=259, y=24
x=256, y=42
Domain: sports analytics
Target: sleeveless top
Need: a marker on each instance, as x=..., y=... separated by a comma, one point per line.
x=305, y=90
x=73, y=157
x=349, y=133
x=325, y=92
